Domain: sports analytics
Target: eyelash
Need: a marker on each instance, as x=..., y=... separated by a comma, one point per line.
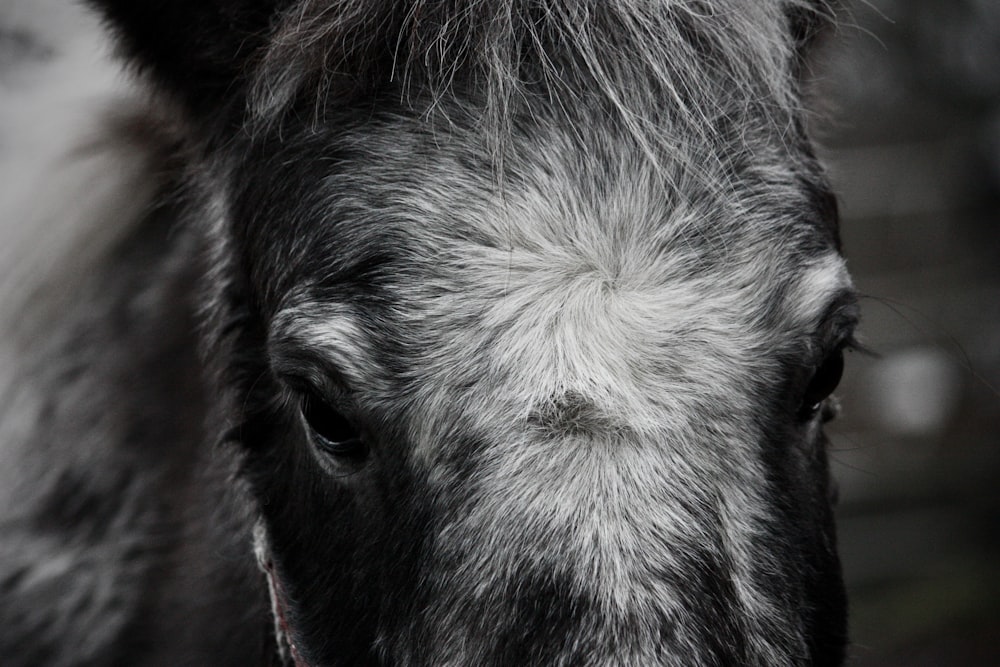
x=329, y=429
x=823, y=382
x=825, y=379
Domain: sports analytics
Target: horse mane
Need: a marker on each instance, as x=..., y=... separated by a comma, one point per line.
x=638, y=59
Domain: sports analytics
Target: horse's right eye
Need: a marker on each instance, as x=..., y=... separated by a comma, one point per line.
x=331, y=431
x=823, y=383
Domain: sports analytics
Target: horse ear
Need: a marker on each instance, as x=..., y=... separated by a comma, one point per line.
x=196, y=50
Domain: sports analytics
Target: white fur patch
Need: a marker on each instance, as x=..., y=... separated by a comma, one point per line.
x=333, y=334
x=818, y=285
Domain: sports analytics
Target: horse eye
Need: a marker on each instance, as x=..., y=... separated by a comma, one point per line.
x=823, y=383
x=330, y=430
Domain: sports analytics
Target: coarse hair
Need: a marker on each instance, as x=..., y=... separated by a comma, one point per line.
x=661, y=69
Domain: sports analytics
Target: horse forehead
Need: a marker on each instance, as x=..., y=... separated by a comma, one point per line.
x=618, y=238
x=627, y=337
x=585, y=271
x=622, y=302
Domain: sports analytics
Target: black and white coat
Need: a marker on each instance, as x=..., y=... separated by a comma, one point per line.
x=419, y=333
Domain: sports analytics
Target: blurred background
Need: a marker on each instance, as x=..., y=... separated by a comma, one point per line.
x=912, y=138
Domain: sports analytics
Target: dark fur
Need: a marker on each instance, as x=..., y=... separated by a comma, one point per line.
x=308, y=118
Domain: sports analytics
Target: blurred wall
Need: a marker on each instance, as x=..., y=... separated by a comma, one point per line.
x=913, y=144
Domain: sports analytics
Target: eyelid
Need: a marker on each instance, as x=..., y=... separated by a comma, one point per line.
x=838, y=326
x=304, y=369
x=315, y=408
x=299, y=388
x=313, y=338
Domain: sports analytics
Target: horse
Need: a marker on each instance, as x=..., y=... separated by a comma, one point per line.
x=408, y=332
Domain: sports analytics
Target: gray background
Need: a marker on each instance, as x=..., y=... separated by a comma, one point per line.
x=912, y=136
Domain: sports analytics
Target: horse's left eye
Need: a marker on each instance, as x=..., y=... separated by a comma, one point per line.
x=330, y=430
x=823, y=383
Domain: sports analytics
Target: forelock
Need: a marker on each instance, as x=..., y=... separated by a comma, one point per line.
x=653, y=66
